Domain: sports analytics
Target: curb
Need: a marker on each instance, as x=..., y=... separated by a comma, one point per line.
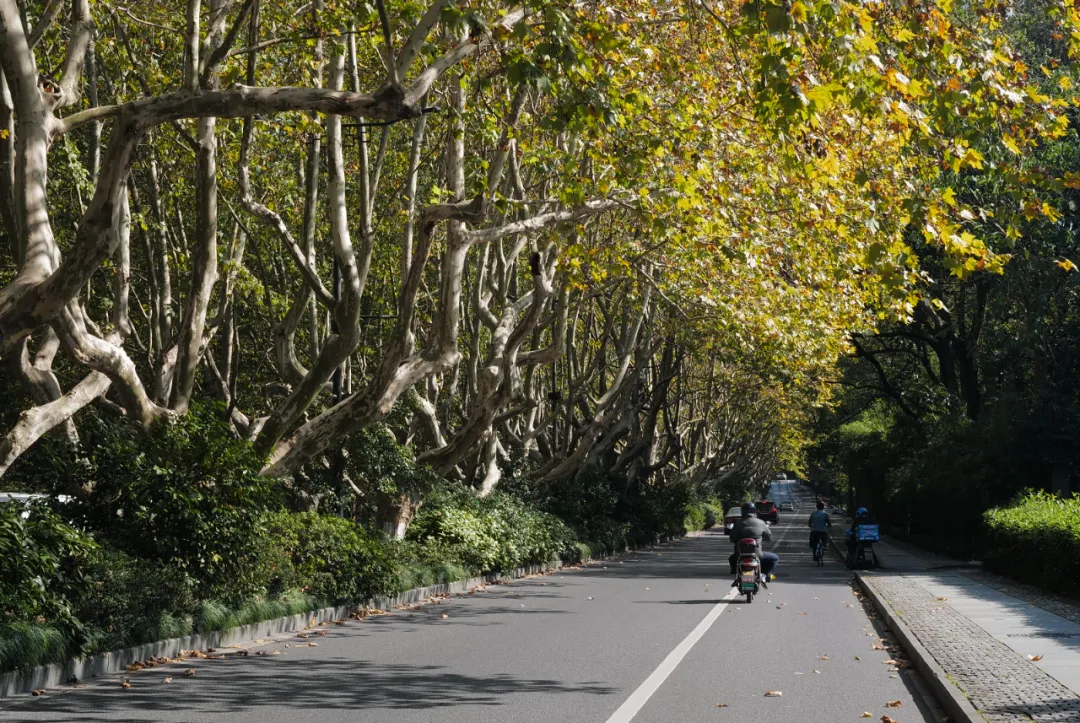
x=948, y=695
x=116, y=661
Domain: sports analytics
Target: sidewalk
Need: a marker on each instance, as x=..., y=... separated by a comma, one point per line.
x=983, y=631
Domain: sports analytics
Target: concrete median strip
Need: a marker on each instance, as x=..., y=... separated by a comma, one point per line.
x=116, y=661
x=948, y=695
x=18, y=682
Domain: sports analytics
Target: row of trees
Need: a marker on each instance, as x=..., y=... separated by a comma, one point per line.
x=628, y=236
x=973, y=398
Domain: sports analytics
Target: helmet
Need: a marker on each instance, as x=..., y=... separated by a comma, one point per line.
x=748, y=509
x=862, y=512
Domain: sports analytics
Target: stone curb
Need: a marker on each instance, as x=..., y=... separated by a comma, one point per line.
x=116, y=661
x=948, y=695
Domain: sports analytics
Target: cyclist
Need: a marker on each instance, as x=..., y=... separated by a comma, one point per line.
x=819, y=524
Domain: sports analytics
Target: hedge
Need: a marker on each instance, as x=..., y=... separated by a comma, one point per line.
x=1036, y=539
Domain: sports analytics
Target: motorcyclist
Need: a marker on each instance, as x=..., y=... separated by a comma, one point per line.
x=862, y=517
x=819, y=524
x=749, y=526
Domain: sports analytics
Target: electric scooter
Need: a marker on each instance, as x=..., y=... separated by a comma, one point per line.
x=748, y=577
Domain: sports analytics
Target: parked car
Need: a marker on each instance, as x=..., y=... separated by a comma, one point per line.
x=733, y=515
x=786, y=507
x=767, y=511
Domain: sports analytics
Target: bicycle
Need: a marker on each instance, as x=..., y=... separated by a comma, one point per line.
x=819, y=553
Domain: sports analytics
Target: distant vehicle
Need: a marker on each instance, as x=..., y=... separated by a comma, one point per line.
x=786, y=507
x=767, y=511
x=733, y=515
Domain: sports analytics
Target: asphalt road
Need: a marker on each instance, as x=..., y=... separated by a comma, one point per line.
x=645, y=638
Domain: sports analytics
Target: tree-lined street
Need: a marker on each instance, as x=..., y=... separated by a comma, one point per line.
x=575, y=645
x=311, y=305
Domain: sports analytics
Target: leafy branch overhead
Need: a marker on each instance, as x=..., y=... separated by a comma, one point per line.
x=633, y=236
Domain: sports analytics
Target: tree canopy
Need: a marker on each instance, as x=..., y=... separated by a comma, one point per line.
x=562, y=237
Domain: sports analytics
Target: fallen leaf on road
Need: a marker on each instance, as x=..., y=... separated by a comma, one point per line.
x=646, y=588
x=588, y=598
x=1035, y=658
x=779, y=607
x=851, y=606
x=167, y=679
x=721, y=705
x=890, y=662
x=942, y=599
x=823, y=657
x=134, y=667
x=887, y=719
x=857, y=658
x=125, y=684
x=875, y=646
x=189, y=671
x=893, y=704
x=313, y=645
x=39, y=691
x=276, y=652
x=867, y=714
x=444, y=616
x=773, y=694
x=804, y=613
x=817, y=671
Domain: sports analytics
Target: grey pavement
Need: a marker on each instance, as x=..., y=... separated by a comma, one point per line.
x=572, y=646
x=1015, y=660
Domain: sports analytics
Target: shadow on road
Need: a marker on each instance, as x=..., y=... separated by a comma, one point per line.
x=244, y=684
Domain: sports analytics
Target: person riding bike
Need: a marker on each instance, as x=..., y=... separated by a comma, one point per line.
x=862, y=517
x=752, y=527
x=819, y=524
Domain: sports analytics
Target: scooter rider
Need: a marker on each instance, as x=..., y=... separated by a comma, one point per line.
x=862, y=517
x=751, y=526
x=819, y=525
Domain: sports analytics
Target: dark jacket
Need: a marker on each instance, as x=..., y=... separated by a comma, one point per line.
x=750, y=527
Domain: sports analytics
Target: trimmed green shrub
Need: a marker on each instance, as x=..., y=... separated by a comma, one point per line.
x=1037, y=539
x=331, y=558
x=42, y=567
x=487, y=534
x=422, y=564
x=695, y=518
x=129, y=600
x=188, y=495
x=714, y=514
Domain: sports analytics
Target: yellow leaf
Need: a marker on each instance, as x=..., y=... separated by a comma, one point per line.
x=1010, y=143
x=1064, y=82
x=3, y=133
x=773, y=694
x=866, y=715
x=949, y=196
x=798, y=11
x=1035, y=658
x=1066, y=264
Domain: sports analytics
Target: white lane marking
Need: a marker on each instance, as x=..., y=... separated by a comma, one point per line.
x=640, y=697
